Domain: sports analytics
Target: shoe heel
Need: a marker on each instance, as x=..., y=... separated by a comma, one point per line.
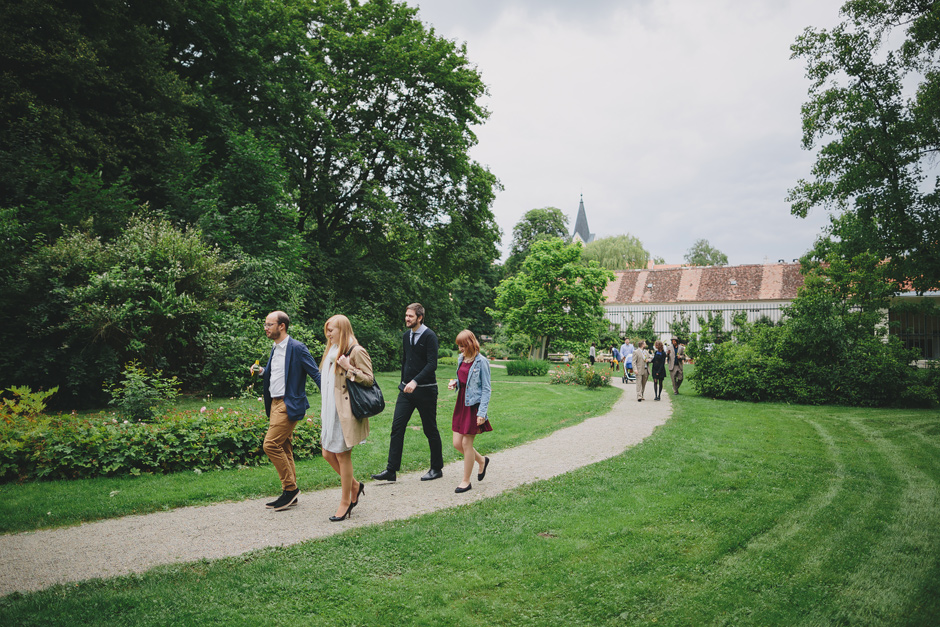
x=348, y=514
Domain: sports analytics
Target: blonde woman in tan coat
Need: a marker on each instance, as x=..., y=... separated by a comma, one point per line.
x=343, y=361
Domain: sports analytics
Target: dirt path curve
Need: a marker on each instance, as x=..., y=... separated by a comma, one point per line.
x=133, y=544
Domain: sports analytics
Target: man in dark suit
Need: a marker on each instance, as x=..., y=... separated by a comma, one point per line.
x=284, y=381
x=418, y=390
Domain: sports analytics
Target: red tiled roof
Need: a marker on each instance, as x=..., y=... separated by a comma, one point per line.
x=778, y=281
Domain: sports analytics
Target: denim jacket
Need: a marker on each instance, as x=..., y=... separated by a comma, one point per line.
x=478, y=384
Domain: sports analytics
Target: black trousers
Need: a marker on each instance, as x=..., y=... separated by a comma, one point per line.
x=425, y=401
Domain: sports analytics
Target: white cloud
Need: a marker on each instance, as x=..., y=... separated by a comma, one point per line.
x=677, y=120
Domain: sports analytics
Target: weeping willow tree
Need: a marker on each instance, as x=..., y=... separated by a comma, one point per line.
x=620, y=252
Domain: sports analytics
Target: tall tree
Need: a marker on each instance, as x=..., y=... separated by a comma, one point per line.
x=321, y=145
x=554, y=296
x=704, y=254
x=88, y=100
x=874, y=115
x=373, y=115
x=619, y=252
x=535, y=225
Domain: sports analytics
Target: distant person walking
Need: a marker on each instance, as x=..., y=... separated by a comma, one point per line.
x=640, y=359
x=592, y=355
x=675, y=355
x=417, y=390
x=344, y=361
x=659, y=368
x=614, y=358
x=473, y=399
x=626, y=354
x=284, y=385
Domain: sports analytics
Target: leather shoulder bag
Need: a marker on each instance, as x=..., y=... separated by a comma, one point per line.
x=365, y=400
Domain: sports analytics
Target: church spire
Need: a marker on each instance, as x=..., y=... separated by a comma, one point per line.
x=581, y=231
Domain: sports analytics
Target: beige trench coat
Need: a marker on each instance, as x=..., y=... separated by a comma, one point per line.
x=360, y=370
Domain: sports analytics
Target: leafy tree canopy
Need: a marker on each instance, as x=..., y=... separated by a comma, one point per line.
x=555, y=295
x=318, y=148
x=704, y=254
x=535, y=225
x=874, y=115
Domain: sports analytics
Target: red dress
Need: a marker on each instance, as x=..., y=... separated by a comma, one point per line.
x=465, y=418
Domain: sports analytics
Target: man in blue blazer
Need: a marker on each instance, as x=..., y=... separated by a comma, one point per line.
x=284, y=381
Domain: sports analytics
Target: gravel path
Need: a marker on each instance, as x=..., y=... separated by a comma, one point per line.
x=133, y=544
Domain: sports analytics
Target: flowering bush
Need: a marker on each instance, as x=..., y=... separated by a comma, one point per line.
x=582, y=374
x=103, y=445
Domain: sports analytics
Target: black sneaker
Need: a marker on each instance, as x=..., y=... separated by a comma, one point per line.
x=276, y=502
x=288, y=499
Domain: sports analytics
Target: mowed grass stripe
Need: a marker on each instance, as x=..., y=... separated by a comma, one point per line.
x=904, y=554
x=770, y=530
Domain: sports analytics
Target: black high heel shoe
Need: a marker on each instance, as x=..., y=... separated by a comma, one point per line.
x=362, y=490
x=344, y=516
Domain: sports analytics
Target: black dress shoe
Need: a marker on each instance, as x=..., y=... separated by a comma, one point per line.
x=385, y=475
x=480, y=475
x=432, y=474
x=460, y=490
x=288, y=499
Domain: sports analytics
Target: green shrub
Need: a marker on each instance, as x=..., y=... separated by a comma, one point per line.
x=141, y=395
x=25, y=403
x=527, y=368
x=95, y=304
x=102, y=445
x=231, y=342
x=868, y=372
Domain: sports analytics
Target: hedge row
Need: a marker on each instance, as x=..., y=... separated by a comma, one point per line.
x=103, y=446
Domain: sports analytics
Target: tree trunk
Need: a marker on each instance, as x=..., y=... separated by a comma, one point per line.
x=540, y=350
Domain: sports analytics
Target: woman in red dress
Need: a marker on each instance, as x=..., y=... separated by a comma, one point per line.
x=473, y=399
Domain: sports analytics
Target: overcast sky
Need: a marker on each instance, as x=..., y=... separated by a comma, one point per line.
x=676, y=119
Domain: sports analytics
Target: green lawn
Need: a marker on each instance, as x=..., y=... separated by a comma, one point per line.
x=730, y=514
x=522, y=409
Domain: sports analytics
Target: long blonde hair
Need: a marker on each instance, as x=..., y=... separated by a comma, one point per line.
x=468, y=345
x=346, y=337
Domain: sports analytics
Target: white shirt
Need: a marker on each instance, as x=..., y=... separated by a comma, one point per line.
x=278, y=368
x=416, y=333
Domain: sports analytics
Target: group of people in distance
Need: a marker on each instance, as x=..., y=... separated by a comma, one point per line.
x=345, y=362
x=639, y=363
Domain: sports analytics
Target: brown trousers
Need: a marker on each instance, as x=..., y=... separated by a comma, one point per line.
x=676, y=376
x=277, y=445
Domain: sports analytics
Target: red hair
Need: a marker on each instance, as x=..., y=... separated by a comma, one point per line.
x=468, y=344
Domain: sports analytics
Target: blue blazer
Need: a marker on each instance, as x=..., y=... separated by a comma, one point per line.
x=298, y=363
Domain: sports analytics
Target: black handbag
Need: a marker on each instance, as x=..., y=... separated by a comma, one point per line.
x=365, y=400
